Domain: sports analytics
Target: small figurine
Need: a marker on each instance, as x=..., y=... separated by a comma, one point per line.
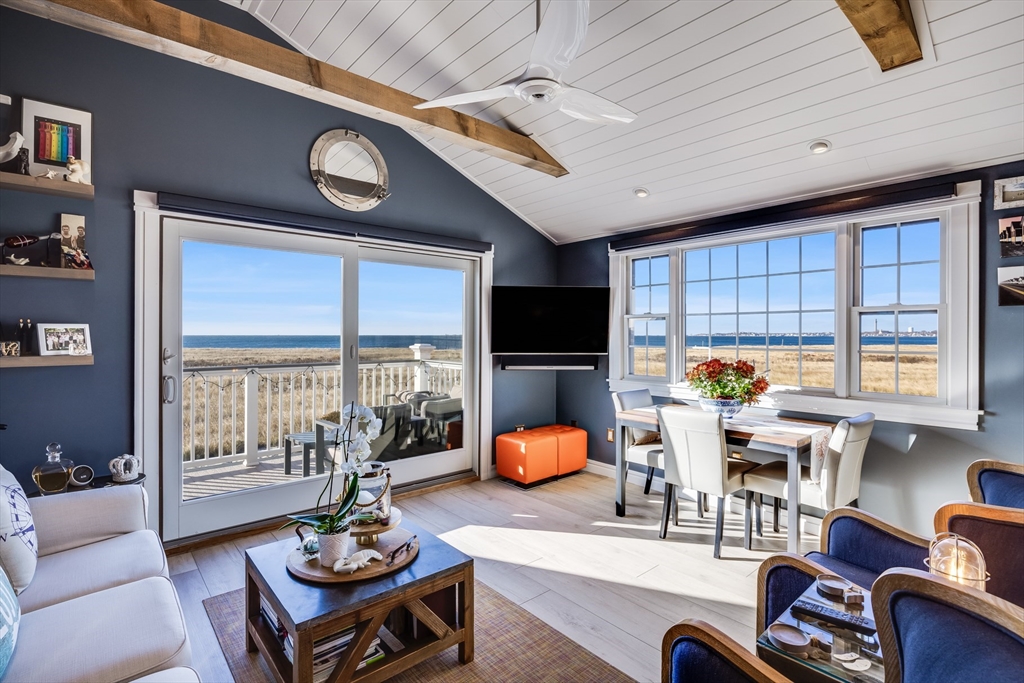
x=17, y=261
x=22, y=162
x=11, y=149
x=356, y=561
x=49, y=175
x=79, y=169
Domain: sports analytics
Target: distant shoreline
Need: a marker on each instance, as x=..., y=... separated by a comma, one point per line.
x=326, y=341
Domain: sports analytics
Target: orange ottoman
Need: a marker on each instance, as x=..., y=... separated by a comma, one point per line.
x=526, y=456
x=572, y=447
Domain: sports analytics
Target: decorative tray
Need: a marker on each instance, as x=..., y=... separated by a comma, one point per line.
x=386, y=544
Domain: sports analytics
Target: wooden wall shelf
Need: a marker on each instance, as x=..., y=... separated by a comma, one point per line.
x=60, y=188
x=43, y=361
x=39, y=271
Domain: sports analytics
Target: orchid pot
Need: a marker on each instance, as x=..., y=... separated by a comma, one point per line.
x=334, y=547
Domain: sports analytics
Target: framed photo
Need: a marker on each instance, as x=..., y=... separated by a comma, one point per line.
x=52, y=134
x=1011, y=236
x=1011, y=286
x=64, y=339
x=1009, y=193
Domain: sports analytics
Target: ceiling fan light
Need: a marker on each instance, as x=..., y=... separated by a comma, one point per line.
x=641, y=192
x=820, y=146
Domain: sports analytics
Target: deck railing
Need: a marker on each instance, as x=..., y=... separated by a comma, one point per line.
x=236, y=413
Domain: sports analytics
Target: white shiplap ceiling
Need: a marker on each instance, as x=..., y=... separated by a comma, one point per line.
x=728, y=94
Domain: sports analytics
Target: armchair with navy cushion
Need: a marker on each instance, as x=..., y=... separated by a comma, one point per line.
x=995, y=482
x=694, y=651
x=931, y=629
x=854, y=544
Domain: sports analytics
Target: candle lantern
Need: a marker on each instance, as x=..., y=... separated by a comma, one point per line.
x=956, y=558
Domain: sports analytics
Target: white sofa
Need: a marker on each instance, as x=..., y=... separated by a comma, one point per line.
x=101, y=607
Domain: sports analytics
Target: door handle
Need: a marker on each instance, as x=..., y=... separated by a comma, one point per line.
x=168, y=389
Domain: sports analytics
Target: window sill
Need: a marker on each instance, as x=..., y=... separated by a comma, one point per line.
x=906, y=413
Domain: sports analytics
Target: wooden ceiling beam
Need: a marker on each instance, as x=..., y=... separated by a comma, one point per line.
x=164, y=29
x=887, y=29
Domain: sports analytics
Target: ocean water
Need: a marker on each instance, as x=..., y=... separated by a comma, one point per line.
x=367, y=341
x=783, y=340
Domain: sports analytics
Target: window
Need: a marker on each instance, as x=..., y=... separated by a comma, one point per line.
x=897, y=321
x=769, y=302
x=649, y=308
x=876, y=311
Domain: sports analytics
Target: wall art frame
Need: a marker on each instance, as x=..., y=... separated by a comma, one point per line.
x=1008, y=193
x=52, y=134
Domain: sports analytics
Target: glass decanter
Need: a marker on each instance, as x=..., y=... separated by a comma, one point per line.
x=53, y=475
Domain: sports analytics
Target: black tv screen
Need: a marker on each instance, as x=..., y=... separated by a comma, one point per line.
x=549, y=320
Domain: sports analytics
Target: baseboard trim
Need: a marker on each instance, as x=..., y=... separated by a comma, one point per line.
x=808, y=524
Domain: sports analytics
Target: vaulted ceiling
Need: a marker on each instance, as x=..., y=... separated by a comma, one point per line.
x=729, y=94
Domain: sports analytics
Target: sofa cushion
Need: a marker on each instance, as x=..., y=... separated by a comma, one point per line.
x=115, y=635
x=179, y=674
x=18, y=543
x=10, y=616
x=94, y=567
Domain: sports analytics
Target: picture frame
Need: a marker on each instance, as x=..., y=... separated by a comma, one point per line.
x=1009, y=193
x=53, y=133
x=64, y=339
x=1011, y=285
x=1011, y=236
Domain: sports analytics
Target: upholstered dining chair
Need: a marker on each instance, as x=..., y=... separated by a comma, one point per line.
x=931, y=629
x=696, y=458
x=999, y=534
x=839, y=483
x=643, y=447
x=694, y=651
x=854, y=544
x=996, y=482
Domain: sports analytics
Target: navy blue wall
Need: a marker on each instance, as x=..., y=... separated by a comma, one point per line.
x=160, y=123
x=908, y=470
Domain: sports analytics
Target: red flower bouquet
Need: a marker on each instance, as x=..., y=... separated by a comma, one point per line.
x=728, y=381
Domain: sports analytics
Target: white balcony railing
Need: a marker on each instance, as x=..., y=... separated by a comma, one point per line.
x=233, y=413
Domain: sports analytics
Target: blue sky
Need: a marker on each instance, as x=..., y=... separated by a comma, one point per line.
x=232, y=290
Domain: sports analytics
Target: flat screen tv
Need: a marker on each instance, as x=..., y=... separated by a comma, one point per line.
x=549, y=320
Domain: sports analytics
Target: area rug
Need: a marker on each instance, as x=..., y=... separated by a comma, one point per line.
x=511, y=645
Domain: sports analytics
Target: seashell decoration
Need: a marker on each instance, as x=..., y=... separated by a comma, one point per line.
x=356, y=561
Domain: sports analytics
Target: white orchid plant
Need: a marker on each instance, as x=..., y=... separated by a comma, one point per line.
x=359, y=427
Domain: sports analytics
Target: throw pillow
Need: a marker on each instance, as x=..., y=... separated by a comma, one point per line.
x=10, y=615
x=18, y=546
x=649, y=437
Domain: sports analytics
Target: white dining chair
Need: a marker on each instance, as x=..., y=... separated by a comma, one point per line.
x=839, y=481
x=696, y=458
x=643, y=447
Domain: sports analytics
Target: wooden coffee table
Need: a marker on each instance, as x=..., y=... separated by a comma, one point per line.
x=436, y=589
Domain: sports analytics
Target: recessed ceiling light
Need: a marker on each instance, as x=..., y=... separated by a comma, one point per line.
x=820, y=146
x=641, y=192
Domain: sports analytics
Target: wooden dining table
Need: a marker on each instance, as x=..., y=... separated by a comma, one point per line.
x=737, y=433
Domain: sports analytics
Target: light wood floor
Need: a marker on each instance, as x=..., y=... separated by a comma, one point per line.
x=559, y=551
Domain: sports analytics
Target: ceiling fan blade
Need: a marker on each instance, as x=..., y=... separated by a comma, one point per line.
x=592, y=108
x=503, y=90
x=559, y=38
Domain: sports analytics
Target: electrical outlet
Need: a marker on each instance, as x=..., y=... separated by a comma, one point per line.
x=574, y=423
x=611, y=435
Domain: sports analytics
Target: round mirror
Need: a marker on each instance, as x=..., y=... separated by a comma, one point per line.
x=349, y=170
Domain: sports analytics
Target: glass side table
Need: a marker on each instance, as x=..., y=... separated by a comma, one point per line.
x=817, y=664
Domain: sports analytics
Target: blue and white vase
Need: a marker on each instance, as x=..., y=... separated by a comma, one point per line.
x=726, y=407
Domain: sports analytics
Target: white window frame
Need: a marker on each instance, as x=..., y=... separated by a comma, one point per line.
x=673, y=296
x=959, y=317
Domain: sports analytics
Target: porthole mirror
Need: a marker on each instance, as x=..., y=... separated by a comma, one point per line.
x=349, y=170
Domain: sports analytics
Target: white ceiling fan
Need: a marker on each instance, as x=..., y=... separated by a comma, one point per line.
x=559, y=40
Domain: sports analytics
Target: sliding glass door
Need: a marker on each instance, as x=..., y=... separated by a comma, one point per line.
x=264, y=332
